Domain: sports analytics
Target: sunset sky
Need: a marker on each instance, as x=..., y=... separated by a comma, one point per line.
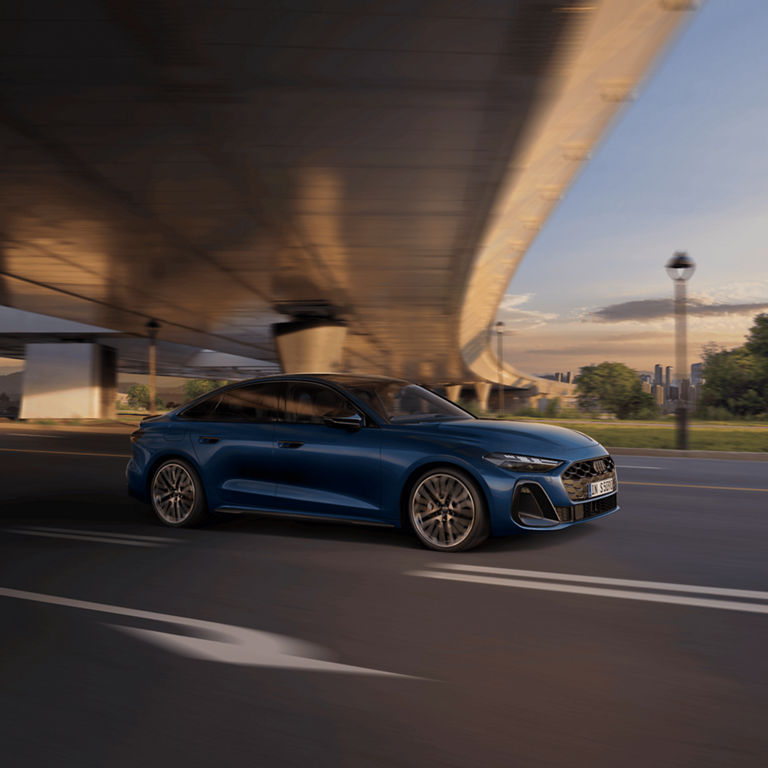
x=684, y=168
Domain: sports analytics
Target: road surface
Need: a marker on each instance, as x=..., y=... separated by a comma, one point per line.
x=635, y=640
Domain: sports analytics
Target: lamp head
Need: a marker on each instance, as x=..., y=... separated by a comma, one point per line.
x=680, y=267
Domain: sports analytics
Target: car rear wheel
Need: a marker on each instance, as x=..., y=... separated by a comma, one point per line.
x=447, y=511
x=177, y=494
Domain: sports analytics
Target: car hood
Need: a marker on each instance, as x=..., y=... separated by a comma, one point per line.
x=516, y=435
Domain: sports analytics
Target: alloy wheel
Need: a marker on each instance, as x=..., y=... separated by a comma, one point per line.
x=443, y=510
x=173, y=493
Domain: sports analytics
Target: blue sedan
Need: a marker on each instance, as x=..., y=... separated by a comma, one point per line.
x=370, y=450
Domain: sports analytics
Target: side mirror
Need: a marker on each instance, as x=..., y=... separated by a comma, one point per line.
x=353, y=422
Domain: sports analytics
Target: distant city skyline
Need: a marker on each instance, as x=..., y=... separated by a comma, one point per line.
x=682, y=170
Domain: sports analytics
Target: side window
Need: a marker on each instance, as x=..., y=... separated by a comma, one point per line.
x=202, y=411
x=254, y=402
x=308, y=403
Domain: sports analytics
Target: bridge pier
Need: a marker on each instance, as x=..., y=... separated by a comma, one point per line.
x=69, y=381
x=483, y=392
x=310, y=346
x=453, y=392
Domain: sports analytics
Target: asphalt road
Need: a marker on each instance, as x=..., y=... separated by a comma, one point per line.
x=635, y=640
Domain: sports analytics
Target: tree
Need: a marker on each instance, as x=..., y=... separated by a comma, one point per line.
x=196, y=387
x=615, y=388
x=737, y=379
x=757, y=341
x=138, y=396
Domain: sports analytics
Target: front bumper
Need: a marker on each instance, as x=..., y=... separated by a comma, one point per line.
x=562, y=499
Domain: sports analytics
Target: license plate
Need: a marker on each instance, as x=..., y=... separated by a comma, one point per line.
x=601, y=487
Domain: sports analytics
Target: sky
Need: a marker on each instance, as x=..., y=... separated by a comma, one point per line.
x=684, y=167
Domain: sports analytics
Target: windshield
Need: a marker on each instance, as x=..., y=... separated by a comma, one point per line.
x=398, y=402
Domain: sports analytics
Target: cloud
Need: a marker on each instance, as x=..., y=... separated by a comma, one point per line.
x=512, y=315
x=653, y=309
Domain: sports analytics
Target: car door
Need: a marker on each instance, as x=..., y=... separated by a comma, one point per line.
x=233, y=441
x=333, y=471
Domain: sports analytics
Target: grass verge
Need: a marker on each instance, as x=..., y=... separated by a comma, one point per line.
x=699, y=438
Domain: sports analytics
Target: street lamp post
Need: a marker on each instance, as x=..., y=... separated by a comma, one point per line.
x=152, y=327
x=499, y=327
x=680, y=268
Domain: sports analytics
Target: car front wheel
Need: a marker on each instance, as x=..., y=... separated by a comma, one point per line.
x=447, y=511
x=177, y=494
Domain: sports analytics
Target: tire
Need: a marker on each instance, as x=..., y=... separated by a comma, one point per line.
x=447, y=511
x=177, y=495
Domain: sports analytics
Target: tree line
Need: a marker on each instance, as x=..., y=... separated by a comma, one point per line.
x=735, y=383
x=737, y=379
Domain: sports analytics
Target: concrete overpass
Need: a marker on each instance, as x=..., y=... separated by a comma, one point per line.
x=368, y=174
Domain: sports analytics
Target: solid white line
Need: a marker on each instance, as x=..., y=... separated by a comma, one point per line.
x=67, y=453
x=659, y=585
x=137, y=537
x=686, y=458
x=76, y=537
x=30, y=434
x=224, y=643
x=650, y=597
x=638, y=466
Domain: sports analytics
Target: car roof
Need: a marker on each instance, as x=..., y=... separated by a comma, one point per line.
x=336, y=378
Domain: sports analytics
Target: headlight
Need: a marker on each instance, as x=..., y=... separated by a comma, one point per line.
x=519, y=463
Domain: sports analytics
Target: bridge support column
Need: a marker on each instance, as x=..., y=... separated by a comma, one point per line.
x=69, y=381
x=453, y=392
x=310, y=346
x=483, y=391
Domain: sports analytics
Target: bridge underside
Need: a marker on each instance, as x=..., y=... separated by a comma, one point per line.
x=223, y=167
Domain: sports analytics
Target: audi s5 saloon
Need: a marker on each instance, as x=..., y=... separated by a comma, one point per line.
x=369, y=450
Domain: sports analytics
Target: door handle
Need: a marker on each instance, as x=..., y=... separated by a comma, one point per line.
x=290, y=444
x=208, y=439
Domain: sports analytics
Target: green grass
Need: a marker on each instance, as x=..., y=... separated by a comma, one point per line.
x=699, y=438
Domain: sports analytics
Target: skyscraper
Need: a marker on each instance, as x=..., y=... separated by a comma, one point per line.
x=697, y=370
x=657, y=375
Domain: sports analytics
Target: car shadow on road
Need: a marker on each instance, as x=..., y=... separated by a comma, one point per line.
x=106, y=509
x=263, y=525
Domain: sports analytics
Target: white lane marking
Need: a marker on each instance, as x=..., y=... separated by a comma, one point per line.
x=67, y=453
x=78, y=537
x=224, y=643
x=639, y=466
x=690, y=458
x=29, y=434
x=96, y=532
x=650, y=597
x=551, y=575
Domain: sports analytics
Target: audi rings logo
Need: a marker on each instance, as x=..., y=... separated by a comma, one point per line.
x=599, y=466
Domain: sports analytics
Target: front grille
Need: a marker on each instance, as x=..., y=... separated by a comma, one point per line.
x=578, y=476
x=588, y=509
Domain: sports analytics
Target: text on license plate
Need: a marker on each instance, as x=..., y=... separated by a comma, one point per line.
x=601, y=487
